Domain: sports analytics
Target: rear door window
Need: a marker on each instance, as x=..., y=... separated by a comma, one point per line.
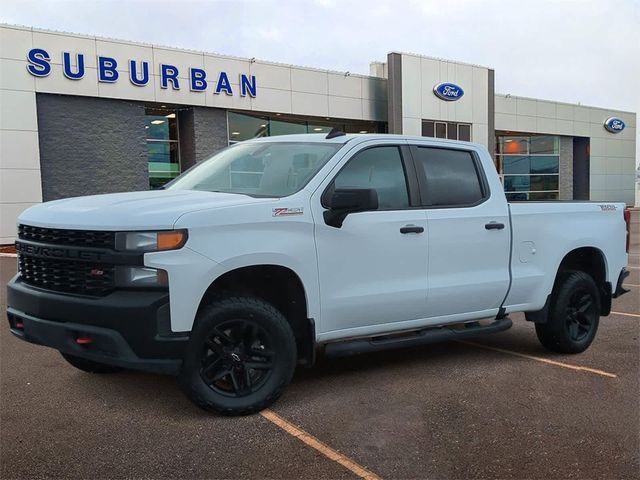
x=448, y=178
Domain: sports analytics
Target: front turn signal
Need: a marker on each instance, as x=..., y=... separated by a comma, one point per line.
x=171, y=240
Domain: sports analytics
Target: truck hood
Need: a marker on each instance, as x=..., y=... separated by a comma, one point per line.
x=156, y=209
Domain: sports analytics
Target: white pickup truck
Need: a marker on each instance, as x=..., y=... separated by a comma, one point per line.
x=274, y=249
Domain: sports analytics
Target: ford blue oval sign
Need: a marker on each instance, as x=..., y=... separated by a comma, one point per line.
x=614, y=125
x=448, y=91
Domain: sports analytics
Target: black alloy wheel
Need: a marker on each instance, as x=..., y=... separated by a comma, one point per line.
x=581, y=314
x=241, y=355
x=237, y=358
x=574, y=314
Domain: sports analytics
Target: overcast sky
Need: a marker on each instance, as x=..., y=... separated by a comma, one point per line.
x=568, y=50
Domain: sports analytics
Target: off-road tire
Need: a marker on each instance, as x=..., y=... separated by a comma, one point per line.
x=220, y=313
x=89, y=366
x=560, y=333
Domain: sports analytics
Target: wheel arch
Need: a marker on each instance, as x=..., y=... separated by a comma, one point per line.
x=590, y=260
x=280, y=286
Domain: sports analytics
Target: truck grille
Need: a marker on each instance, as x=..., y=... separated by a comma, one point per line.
x=73, y=238
x=67, y=276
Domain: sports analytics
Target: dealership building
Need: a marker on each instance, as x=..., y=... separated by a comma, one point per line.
x=84, y=115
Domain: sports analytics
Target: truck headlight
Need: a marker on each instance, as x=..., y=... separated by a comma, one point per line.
x=150, y=241
x=140, y=277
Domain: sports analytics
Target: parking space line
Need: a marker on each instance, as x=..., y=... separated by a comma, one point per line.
x=626, y=314
x=630, y=285
x=542, y=360
x=317, y=445
x=631, y=267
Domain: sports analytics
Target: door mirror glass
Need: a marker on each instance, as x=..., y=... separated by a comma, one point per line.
x=344, y=201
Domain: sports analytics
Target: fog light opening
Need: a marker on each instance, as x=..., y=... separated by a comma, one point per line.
x=84, y=340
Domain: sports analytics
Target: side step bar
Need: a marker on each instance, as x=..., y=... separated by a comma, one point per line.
x=413, y=339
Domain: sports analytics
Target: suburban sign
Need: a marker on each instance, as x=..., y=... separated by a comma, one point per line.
x=614, y=124
x=448, y=91
x=109, y=71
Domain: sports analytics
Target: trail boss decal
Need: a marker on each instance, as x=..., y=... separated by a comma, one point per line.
x=287, y=212
x=608, y=208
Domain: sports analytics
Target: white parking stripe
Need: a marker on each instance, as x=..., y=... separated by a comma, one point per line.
x=542, y=360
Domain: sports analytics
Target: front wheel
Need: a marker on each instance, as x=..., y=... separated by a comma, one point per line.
x=241, y=355
x=574, y=315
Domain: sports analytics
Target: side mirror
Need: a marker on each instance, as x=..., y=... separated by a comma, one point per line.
x=343, y=201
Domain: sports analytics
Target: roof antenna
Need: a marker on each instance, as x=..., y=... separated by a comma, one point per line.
x=335, y=132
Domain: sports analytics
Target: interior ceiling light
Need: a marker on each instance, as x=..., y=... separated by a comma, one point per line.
x=235, y=133
x=364, y=131
x=317, y=129
x=157, y=122
x=171, y=115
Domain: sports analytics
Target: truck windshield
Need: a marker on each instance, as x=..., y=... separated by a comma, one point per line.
x=261, y=169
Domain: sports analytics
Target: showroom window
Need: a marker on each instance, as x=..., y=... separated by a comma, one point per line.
x=448, y=130
x=529, y=166
x=163, y=152
x=244, y=127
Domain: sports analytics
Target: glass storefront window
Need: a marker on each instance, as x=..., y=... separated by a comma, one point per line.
x=280, y=127
x=244, y=127
x=163, y=152
x=529, y=166
x=449, y=130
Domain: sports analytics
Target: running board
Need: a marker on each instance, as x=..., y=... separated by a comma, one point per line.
x=415, y=338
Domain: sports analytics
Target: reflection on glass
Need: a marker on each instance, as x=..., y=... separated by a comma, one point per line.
x=245, y=127
x=545, y=164
x=514, y=183
x=279, y=127
x=513, y=145
x=163, y=155
x=515, y=164
x=541, y=144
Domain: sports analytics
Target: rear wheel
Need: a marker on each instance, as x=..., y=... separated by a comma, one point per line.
x=89, y=365
x=241, y=355
x=574, y=315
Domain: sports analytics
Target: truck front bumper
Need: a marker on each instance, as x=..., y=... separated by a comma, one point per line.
x=126, y=328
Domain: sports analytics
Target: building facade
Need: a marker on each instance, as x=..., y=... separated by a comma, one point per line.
x=84, y=115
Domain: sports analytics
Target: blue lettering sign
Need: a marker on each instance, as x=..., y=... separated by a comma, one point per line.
x=74, y=68
x=198, y=82
x=107, y=70
x=448, y=91
x=169, y=73
x=614, y=125
x=247, y=85
x=67, y=67
x=224, y=84
x=133, y=73
x=39, y=65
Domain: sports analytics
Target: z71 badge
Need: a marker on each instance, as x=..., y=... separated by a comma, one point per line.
x=286, y=212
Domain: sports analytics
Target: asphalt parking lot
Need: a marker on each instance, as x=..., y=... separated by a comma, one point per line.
x=501, y=407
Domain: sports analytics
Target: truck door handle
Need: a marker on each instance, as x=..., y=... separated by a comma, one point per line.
x=494, y=226
x=411, y=229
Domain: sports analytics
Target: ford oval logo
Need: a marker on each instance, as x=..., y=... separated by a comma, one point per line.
x=448, y=91
x=614, y=125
